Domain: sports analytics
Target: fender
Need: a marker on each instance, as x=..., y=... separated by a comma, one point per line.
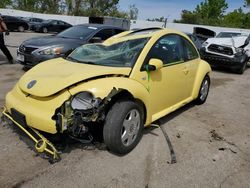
x=102, y=87
x=203, y=69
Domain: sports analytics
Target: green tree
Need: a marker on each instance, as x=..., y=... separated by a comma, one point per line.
x=4, y=3
x=234, y=19
x=160, y=19
x=247, y=2
x=133, y=12
x=188, y=17
x=42, y=6
x=208, y=12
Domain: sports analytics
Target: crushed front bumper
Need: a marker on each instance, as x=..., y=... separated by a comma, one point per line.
x=42, y=145
x=221, y=61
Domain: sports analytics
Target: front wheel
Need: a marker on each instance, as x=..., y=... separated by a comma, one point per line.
x=204, y=89
x=123, y=127
x=242, y=69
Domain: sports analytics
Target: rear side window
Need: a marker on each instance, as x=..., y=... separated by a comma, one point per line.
x=61, y=23
x=189, y=50
x=105, y=34
x=54, y=22
x=117, y=31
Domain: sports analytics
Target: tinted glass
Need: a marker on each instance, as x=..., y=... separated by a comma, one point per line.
x=77, y=32
x=105, y=34
x=190, y=52
x=168, y=49
x=47, y=21
x=61, y=23
x=117, y=31
x=227, y=35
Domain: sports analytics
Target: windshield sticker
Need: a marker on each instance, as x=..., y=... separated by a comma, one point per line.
x=92, y=28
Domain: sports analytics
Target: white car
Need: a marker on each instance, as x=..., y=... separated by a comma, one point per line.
x=227, y=49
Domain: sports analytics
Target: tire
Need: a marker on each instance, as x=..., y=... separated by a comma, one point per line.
x=123, y=115
x=204, y=90
x=20, y=28
x=242, y=69
x=45, y=30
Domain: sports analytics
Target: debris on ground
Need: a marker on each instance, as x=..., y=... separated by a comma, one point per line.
x=223, y=149
x=216, y=136
x=178, y=135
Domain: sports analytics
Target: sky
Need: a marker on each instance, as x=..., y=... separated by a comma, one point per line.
x=170, y=9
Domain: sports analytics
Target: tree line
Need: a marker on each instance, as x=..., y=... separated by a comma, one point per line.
x=213, y=12
x=208, y=12
x=73, y=7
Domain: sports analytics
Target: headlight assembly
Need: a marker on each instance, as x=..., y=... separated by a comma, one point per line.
x=56, y=50
x=239, y=50
x=84, y=101
x=204, y=44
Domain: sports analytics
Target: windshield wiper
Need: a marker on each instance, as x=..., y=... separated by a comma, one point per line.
x=73, y=59
x=89, y=62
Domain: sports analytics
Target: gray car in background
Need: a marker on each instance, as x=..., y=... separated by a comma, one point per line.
x=39, y=49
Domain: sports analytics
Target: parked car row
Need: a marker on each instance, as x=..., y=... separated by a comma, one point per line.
x=229, y=49
x=34, y=24
x=36, y=50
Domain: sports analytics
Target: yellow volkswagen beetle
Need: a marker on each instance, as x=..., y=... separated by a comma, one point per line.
x=124, y=84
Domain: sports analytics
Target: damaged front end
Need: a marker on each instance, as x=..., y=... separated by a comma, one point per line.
x=78, y=115
x=74, y=118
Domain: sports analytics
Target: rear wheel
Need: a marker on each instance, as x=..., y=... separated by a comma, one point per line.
x=20, y=28
x=123, y=127
x=204, y=89
x=45, y=30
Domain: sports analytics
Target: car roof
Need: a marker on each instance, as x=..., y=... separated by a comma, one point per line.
x=100, y=26
x=143, y=33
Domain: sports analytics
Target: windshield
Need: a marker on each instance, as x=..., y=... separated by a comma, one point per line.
x=123, y=54
x=77, y=32
x=228, y=35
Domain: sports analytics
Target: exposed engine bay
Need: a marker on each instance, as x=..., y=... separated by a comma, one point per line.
x=77, y=115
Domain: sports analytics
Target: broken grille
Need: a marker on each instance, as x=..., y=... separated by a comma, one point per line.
x=27, y=50
x=220, y=49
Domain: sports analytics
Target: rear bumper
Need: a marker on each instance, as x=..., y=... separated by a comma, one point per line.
x=221, y=61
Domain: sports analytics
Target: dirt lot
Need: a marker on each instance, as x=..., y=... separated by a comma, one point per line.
x=211, y=143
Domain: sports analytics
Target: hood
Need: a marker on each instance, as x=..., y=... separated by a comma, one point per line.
x=52, y=76
x=50, y=41
x=235, y=41
x=203, y=33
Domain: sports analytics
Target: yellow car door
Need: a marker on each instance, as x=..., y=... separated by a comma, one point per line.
x=168, y=85
x=192, y=60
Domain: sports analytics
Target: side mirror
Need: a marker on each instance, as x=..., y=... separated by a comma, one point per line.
x=95, y=40
x=155, y=64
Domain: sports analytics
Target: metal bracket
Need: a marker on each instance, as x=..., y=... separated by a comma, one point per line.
x=42, y=145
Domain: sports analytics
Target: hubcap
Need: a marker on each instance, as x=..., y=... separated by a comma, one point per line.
x=130, y=127
x=204, y=90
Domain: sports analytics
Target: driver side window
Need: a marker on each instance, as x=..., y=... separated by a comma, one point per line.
x=168, y=49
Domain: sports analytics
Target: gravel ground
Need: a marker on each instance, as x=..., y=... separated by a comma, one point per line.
x=211, y=143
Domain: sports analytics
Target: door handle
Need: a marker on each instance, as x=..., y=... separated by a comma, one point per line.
x=185, y=71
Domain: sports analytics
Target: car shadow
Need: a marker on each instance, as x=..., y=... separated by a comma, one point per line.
x=227, y=70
